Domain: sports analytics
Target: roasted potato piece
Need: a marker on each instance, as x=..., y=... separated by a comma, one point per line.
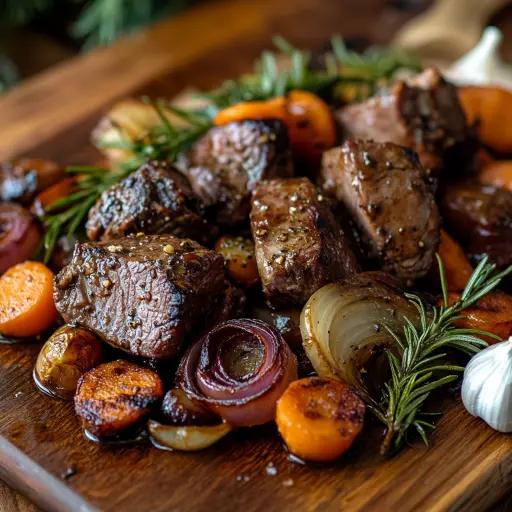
x=240, y=261
x=115, y=397
x=22, y=179
x=65, y=357
x=179, y=409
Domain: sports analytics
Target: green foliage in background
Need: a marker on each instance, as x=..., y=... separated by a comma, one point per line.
x=99, y=21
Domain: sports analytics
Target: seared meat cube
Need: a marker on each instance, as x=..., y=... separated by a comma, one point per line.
x=152, y=200
x=299, y=245
x=22, y=179
x=391, y=200
x=423, y=113
x=480, y=216
x=115, y=397
x=225, y=165
x=141, y=294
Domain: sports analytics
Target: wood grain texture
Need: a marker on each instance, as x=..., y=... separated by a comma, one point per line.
x=467, y=467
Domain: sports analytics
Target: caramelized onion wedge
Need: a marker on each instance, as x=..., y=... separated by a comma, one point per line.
x=343, y=323
x=238, y=369
x=186, y=439
x=19, y=236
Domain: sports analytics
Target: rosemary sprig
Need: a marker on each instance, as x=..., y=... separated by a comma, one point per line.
x=272, y=79
x=163, y=142
x=416, y=363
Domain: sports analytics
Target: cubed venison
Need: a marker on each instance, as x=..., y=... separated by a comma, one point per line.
x=114, y=398
x=423, y=113
x=142, y=294
x=391, y=201
x=480, y=217
x=22, y=179
x=225, y=165
x=299, y=245
x=154, y=200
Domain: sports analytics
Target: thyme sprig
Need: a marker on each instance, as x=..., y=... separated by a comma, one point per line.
x=418, y=360
x=163, y=142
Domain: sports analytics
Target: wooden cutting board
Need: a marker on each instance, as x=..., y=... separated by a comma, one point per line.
x=43, y=452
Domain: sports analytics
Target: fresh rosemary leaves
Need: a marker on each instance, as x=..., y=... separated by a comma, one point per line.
x=417, y=362
x=164, y=141
x=273, y=77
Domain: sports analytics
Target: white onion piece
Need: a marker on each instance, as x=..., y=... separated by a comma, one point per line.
x=188, y=438
x=342, y=322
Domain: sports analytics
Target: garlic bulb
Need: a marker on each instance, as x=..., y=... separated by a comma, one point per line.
x=487, y=386
x=483, y=65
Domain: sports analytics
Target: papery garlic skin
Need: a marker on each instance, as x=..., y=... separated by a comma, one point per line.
x=487, y=386
x=482, y=65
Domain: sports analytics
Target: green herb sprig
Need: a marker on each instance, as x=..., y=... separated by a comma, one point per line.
x=342, y=65
x=416, y=363
x=163, y=142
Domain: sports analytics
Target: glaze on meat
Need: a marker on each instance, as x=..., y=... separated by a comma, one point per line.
x=423, y=113
x=391, y=200
x=299, y=245
x=153, y=200
x=143, y=294
x=225, y=165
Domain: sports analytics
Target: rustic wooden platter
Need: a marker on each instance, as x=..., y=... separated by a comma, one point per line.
x=43, y=452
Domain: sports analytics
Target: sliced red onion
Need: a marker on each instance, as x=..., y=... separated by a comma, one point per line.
x=239, y=369
x=19, y=236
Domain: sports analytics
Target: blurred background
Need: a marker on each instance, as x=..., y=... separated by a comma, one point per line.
x=36, y=34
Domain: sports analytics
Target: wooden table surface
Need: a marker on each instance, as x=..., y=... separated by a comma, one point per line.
x=52, y=114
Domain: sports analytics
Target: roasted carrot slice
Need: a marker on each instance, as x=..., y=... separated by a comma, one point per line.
x=27, y=307
x=114, y=397
x=310, y=123
x=319, y=418
x=492, y=313
x=456, y=265
x=48, y=196
x=491, y=108
x=274, y=108
x=498, y=174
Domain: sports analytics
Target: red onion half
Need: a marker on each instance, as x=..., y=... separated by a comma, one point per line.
x=19, y=236
x=239, y=369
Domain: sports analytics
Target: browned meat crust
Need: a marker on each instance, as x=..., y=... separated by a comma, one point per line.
x=391, y=200
x=226, y=164
x=423, y=113
x=299, y=245
x=152, y=200
x=141, y=294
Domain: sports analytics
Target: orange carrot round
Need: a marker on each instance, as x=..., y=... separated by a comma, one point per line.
x=27, y=307
x=491, y=313
x=310, y=123
x=491, y=108
x=497, y=173
x=319, y=418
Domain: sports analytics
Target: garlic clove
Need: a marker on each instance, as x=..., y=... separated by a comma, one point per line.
x=483, y=65
x=487, y=386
